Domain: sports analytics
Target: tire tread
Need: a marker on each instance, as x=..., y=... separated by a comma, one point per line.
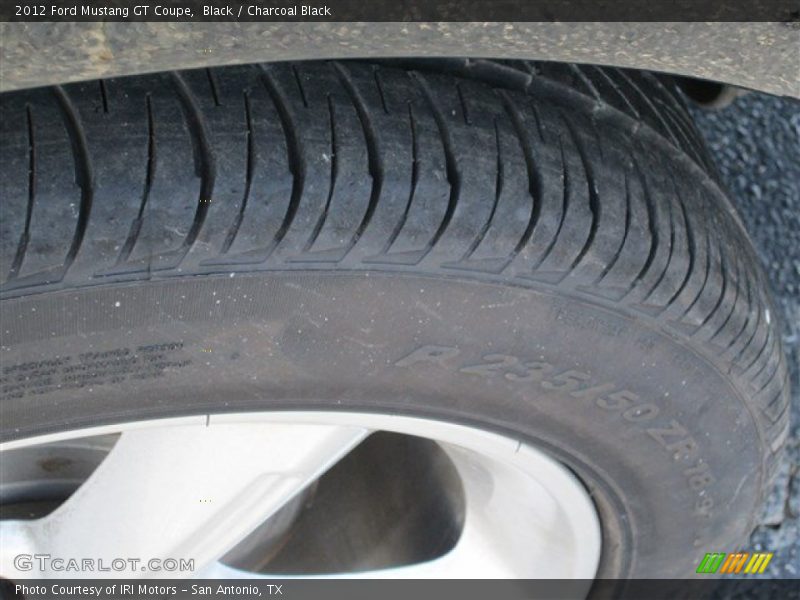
x=382, y=166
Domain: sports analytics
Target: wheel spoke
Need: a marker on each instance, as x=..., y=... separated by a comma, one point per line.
x=513, y=528
x=188, y=492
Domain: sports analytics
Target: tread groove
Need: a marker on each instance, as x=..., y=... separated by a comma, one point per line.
x=670, y=253
x=300, y=87
x=565, y=201
x=150, y=173
x=379, y=84
x=691, y=248
x=537, y=120
x=295, y=157
x=594, y=203
x=707, y=273
x=212, y=84
x=24, y=238
x=784, y=384
x=415, y=165
x=333, y=177
x=586, y=81
x=652, y=226
x=250, y=165
x=451, y=165
x=625, y=231
x=768, y=339
x=103, y=95
x=463, y=102
x=498, y=190
x=203, y=156
x=724, y=287
x=747, y=313
x=374, y=163
x=534, y=181
x=737, y=292
x=622, y=95
x=781, y=415
x=771, y=377
x=648, y=103
x=670, y=101
x=752, y=337
x=84, y=176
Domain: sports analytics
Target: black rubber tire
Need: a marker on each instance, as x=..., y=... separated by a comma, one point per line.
x=537, y=249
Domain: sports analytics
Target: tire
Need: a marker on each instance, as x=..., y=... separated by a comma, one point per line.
x=541, y=250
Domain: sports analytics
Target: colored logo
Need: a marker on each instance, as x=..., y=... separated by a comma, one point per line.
x=736, y=563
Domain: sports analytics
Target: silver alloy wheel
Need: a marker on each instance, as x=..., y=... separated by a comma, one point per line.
x=193, y=488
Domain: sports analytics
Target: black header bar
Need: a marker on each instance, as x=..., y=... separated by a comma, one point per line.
x=787, y=11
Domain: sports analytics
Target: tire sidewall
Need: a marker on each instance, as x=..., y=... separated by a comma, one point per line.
x=664, y=444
